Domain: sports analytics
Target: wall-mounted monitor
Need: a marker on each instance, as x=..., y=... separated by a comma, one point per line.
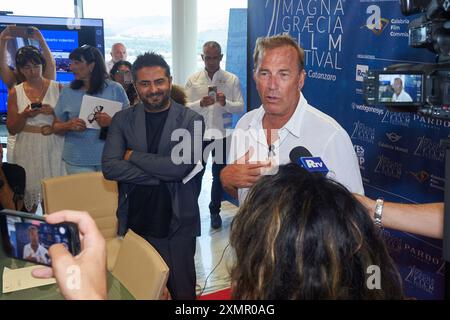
x=62, y=36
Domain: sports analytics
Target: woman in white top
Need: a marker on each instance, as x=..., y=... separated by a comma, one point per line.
x=30, y=116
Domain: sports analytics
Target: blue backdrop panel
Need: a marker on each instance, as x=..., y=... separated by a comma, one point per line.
x=401, y=156
x=237, y=53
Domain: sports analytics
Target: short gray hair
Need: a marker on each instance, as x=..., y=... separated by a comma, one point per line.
x=212, y=44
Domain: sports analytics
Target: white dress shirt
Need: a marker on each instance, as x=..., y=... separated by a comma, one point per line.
x=228, y=84
x=402, y=97
x=109, y=65
x=41, y=254
x=308, y=127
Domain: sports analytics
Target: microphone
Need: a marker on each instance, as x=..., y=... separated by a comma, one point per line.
x=271, y=151
x=301, y=156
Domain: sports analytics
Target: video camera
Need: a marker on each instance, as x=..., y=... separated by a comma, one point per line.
x=428, y=85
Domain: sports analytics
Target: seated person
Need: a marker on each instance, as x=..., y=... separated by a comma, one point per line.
x=304, y=236
x=12, y=185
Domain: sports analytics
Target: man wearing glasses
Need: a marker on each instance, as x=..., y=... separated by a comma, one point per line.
x=140, y=153
x=212, y=92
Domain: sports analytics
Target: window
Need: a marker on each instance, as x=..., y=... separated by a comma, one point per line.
x=213, y=24
x=140, y=25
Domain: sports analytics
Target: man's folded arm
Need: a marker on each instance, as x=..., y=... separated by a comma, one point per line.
x=176, y=166
x=114, y=166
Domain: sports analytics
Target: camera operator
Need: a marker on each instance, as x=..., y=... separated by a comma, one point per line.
x=12, y=185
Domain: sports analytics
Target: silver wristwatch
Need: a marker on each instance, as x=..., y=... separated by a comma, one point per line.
x=378, y=212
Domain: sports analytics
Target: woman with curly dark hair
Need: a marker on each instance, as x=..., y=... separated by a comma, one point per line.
x=304, y=236
x=83, y=146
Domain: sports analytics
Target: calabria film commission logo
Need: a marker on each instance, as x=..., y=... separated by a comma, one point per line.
x=375, y=22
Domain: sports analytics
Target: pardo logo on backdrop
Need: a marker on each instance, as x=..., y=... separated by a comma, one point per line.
x=419, y=254
x=363, y=133
x=318, y=27
x=361, y=71
x=388, y=168
x=428, y=149
x=360, y=152
x=397, y=118
x=375, y=22
x=431, y=123
x=397, y=245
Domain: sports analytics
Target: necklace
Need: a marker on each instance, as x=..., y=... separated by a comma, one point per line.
x=35, y=98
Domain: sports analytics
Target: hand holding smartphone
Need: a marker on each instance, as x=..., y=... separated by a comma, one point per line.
x=212, y=92
x=21, y=32
x=28, y=237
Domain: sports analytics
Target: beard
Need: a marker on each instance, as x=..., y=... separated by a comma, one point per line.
x=156, y=101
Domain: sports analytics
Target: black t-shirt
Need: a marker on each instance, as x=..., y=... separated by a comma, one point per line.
x=150, y=207
x=16, y=179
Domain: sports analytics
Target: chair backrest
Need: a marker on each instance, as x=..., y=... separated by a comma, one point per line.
x=89, y=192
x=140, y=268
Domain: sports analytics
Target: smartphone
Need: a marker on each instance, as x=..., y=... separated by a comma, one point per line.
x=36, y=105
x=28, y=237
x=212, y=92
x=21, y=31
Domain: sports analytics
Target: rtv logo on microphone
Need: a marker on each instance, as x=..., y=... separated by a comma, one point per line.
x=313, y=164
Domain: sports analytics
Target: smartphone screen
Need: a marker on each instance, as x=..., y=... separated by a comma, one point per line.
x=29, y=237
x=212, y=92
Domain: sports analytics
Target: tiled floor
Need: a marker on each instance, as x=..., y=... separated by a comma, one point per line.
x=213, y=257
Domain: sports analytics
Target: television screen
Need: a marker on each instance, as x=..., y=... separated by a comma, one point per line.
x=62, y=36
x=400, y=88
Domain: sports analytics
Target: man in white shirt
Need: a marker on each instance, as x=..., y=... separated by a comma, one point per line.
x=118, y=53
x=212, y=92
x=400, y=95
x=34, y=251
x=264, y=137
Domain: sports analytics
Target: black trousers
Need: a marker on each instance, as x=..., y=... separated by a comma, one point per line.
x=219, y=157
x=178, y=252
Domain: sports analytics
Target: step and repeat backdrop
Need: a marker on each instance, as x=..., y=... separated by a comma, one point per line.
x=400, y=154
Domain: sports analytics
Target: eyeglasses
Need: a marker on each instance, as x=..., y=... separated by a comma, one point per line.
x=87, y=52
x=91, y=117
x=123, y=71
